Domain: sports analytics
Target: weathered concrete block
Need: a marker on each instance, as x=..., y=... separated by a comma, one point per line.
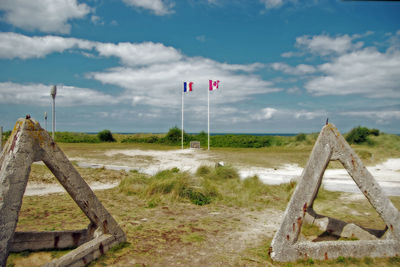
x=195, y=144
x=29, y=143
x=285, y=246
x=35, y=241
x=87, y=252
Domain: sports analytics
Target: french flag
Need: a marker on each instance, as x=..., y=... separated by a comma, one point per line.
x=213, y=85
x=186, y=86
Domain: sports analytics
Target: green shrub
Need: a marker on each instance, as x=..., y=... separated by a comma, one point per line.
x=172, y=184
x=181, y=185
x=226, y=172
x=374, y=132
x=5, y=136
x=163, y=186
x=173, y=136
x=105, y=136
x=136, y=139
x=152, y=139
x=69, y=137
x=358, y=135
x=166, y=173
x=301, y=137
x=340, y=259
x=395, y=260
x=242, y=141
x=220, y=184
x=195, y=195
x=134, y=184
x=203, y=171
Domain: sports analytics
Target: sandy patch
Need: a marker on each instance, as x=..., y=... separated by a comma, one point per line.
x=33, y=189
x=387, y=175
x=185, y=160
x=152, y=161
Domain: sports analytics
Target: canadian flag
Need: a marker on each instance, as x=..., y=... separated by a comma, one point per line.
x=213, y=84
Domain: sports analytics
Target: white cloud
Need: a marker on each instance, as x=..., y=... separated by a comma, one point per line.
x=292, y=54
x=293, y=90
x=39, y=95
x=96, y=20
x=139, y=54
x=271, y=4
x=43, y=15
x=325, y=45
x=151, y=73
x=276, y=4
x=213, y=2
x=267, y=113
x=160, y=84
x=350, y=67
x=14, y=45
x=362, y=35
x=308, y=115
x=300, y=69
x=158, y=7
x=380, y=116
x=367, y=72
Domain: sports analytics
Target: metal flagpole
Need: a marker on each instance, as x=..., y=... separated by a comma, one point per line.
x=208, y=118
x=182, y=116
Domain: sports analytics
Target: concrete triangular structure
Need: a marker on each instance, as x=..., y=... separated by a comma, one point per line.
x=331, y=145
x=29, y=143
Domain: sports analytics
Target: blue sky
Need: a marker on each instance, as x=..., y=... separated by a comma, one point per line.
x=284, y=65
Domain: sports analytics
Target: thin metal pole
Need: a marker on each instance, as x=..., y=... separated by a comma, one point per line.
x=182, y=116
x=54, y=117
x=1, y=138
x=208, y=118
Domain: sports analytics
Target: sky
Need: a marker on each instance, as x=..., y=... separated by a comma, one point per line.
x=284, y=66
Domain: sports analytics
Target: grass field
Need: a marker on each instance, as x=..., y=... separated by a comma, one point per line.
x=211, y=218
x=385, y=146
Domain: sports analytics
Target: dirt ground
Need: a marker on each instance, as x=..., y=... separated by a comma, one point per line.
x=178, y=234
x=202, y=238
